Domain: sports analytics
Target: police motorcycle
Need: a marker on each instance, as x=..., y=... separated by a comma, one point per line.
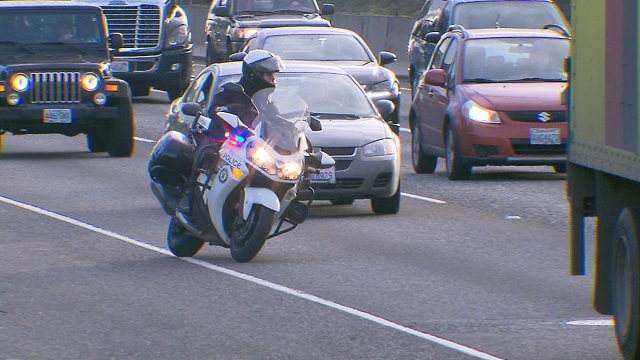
x=251, y=187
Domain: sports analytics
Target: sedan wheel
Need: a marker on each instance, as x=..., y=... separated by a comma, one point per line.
x=422, y=164
x=456, y=168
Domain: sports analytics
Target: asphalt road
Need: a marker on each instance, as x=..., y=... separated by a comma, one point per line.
x=466, y=270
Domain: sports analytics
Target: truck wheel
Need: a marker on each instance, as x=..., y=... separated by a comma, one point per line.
x=121, y=130
x=98, y=140
x=625, y=274
x=248, y=237
x=390, y=205
x=456, y=168
x=422, y=163
x=180, y=242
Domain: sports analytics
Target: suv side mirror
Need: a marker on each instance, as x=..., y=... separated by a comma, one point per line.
x=432, y=37
x=116, y=41
x=221, y=11
x=327, y=9
x=436, y=77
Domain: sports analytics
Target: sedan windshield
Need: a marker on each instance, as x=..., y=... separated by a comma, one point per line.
x=322, y=47
x=332, y=95
x=515, y=59
x=512, y=14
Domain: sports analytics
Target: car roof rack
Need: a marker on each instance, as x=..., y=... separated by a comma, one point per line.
x=559, y=28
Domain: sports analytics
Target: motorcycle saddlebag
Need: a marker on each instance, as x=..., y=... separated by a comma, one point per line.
x=171, y=160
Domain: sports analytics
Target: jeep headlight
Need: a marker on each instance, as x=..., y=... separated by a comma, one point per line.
x=20, y=82
x=90, y=82
x=380, y=147
x=178, y=37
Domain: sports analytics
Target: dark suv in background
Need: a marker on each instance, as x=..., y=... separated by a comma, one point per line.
x=436, y=16
x=231, y=22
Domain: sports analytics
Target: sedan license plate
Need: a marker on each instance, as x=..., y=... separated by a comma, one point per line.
x=120, y=66
x=325, y=176
x=545, y=136
x=57, y=116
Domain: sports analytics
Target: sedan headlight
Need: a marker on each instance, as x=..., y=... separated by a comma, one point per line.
x=380, y=147
x=90, y=82
x=20, y=82
x=383, y=90
x=178, y=37
x=474, y=112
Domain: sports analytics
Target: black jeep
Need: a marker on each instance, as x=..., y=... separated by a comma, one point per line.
x=55, y=76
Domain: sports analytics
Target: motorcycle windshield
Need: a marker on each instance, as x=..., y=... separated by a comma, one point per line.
x=282, y=118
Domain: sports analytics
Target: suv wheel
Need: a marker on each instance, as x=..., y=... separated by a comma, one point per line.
x=456, y=168
x=121, y=130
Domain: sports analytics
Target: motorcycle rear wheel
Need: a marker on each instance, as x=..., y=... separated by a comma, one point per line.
x=180, y=242
x=248, y=237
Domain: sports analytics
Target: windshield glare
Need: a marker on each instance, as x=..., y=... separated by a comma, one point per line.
x=513, y=59
x=51, y=27
x=507, y=14
x=323, y=47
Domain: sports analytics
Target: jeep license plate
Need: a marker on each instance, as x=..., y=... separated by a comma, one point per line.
x=325, y=176
x=57, y=116
x=545, y=136
x=120, y=66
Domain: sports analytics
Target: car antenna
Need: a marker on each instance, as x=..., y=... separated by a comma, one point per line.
x=498, y=21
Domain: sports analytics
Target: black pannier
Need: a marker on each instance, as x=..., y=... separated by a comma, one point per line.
x=171, y=160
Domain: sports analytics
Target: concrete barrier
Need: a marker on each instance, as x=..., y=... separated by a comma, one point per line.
x=388, y=33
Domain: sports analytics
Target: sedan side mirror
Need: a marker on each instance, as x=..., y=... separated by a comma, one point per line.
x=239, y=56
x=385, y=107
x=315, y=124
x=191, y=108
x=385, y=57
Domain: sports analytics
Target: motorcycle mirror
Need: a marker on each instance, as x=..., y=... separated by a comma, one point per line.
x=191, y=108
x=231, y=119
x=319, y=160
x=315, y=124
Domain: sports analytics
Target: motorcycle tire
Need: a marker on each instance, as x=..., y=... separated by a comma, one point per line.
x=181, y=243
x=248, y=237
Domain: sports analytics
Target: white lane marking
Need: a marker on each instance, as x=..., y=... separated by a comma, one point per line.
x=297, y=293
x=593, y=322
x=143, y=140
x=423, y=198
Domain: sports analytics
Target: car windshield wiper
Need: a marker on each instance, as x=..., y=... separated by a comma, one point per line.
x=253, y=12
x=539, y=79
x=481, y=80
x=321, y=115
x=291, y=11
x=20, y=45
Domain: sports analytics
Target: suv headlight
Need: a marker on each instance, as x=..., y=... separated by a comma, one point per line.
x=90, y=82
x=474, y=112
x=177, y=37
x=380, y=147
x=244, y=33
x=20, y=82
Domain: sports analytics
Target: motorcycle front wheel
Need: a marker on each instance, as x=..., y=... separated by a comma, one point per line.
x=181, y=243
x=248, y=237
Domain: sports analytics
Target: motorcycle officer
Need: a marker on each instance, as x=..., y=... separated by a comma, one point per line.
x=259, y=68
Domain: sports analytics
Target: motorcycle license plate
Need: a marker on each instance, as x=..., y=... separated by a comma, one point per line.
x=544, y=136
x=325, y=176
x=57, y=116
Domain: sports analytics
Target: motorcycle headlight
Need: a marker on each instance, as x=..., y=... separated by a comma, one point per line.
x=178, y=37
x=291, y=170
x=90, y=82
x=380, y=147
x=261, y=157
x=20, y=82
x=474, y=112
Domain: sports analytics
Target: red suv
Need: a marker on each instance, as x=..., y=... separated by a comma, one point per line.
x=492, y=97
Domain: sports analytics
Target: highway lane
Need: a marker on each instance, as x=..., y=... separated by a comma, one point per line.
x=483, y=274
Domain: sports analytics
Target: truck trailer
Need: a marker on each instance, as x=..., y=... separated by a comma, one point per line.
x=603, y=170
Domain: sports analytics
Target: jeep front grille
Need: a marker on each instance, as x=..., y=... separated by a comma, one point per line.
x=139, y=25
x=55, y=88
